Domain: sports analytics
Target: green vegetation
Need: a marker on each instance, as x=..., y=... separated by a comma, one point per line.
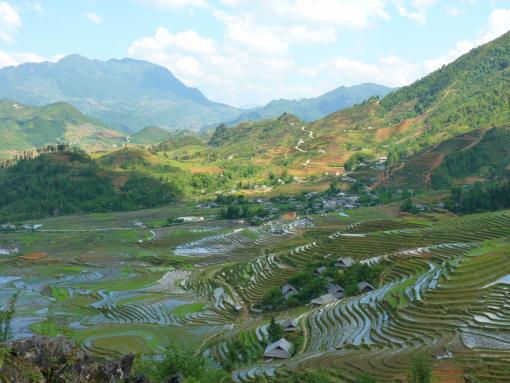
x=480, y=197
x=274, y=330
x=26, y=128
x=69, y=182
x=180, y=361
x=6, y=317
x=188, y=309
x=421, y=371
x=310, y=285
x=487, y=159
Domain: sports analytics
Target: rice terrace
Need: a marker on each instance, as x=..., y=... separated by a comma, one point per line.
x=354, y=235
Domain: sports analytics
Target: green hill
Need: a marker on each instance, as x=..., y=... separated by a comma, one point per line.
x=154, y=135
x=473, y=92
x=24, y=127
x=70, y=182
x=151, y=135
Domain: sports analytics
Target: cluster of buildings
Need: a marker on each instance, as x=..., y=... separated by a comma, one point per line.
x=334, y=291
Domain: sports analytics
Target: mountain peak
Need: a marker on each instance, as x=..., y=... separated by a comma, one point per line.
x=127, y=94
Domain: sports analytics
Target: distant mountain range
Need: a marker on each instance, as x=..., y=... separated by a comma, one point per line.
x=130, y=95
x=310, y=109
x=127, y=94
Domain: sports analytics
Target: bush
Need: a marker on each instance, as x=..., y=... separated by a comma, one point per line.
x=179, y=360
x=275, y=331
x=421, y=371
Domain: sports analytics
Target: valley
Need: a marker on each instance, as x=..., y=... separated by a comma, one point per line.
x=150, y=234
x=123, y=282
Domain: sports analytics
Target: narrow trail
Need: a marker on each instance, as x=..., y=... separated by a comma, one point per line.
x=310, y=133
x=301, y=141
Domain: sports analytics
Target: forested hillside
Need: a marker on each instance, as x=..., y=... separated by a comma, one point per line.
x=24, y=127
x=69, y=182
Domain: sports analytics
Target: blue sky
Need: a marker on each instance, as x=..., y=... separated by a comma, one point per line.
x=247, y=52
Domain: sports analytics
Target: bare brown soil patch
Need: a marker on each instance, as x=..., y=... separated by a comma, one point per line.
x=34, y=256
x=385, y=133
x=205, y=169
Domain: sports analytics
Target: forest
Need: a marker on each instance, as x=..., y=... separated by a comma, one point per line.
x=67, y=181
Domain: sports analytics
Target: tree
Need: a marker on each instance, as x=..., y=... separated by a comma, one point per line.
x=275, y=331
x=407, y=205
x=179, y=360
x=333, y=187
x=421, y=371
x=274, y=297
x=6, y=318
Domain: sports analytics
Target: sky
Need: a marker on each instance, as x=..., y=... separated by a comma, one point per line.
x=248, y=52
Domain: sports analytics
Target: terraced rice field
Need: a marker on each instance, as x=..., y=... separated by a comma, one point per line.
x=445, y=292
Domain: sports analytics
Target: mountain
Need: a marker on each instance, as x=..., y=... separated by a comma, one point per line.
x=309, y=109
x=24, y=127
x=470, y=94
x=127, y=94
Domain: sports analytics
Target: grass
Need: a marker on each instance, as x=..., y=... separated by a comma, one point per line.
x=188, y=309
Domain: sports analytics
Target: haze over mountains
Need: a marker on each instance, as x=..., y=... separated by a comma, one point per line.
x=132, y=94
x=127, y=94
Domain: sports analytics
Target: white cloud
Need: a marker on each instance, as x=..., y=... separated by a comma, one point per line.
x=498, y=24
x=253, y=62
x=94, y=18
x=419, y=12
x=33, y=6
x=454, y=11
x=357, y=14
x=174, y=4
x=10, y=22
x=16, y=58
x=163, y=40
x=247, y=34
x=388, y=70
x=341, y=13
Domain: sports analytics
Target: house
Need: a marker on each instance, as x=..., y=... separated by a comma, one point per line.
x=289, y=325
x=344, y=262
x=321, y=270
x=336, y=290
x=190, y=219
x=365, y=287
x=8, y=226
x=288, y=291
x=323, y=300
x=32, y=227
x=281, y=349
